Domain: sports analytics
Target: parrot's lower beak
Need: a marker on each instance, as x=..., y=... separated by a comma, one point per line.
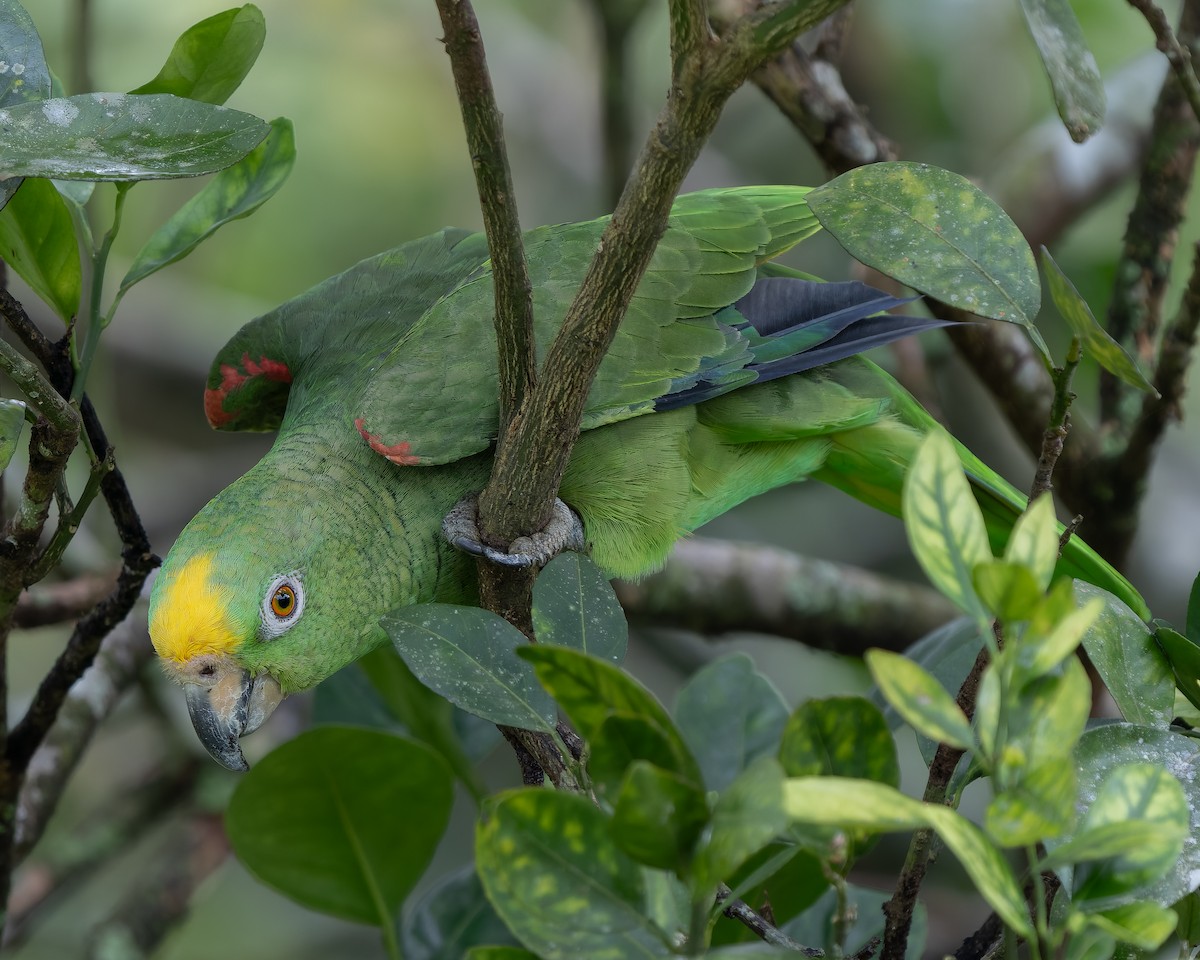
x=227, y=703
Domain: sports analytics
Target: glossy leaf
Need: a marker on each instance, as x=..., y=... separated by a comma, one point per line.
x=1105, y=748
x=574, y=606
x=12, y=422
x=211, y=58
x=1192, y=622
x=729, y=714
x=590, y=690
x=1130, y=663
x=37, y=239
x=1142, y=924
x=919, y=699
x=1090, y=943
x=1007, y=590
x=468, y=655
x=450, y=918
x=936, y=232
x=23, y=71
x=1095, y=339
x=747, y=816
x=235, y=192
x=623, y=738
x=1039, y=805
x=349, y=698
x=840, y=737
x=559, y=881
x=1074, y=76
x=1040, y=654
x=845, y=803
x=1033, y=542
x=499, y=953
x=1184, y=658
x=944, y=523
x=327, y=819
x=123, y=137
x=658, y=817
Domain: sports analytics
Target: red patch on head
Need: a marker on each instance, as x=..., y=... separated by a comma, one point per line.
x=233, y=379
x=399, y=453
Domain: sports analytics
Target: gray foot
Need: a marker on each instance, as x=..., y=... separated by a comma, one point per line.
x=563, y=532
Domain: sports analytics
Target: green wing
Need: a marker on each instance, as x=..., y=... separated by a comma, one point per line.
x=435, y=393
x=323, y=344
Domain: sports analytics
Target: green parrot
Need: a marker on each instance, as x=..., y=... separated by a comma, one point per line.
x=729, y=376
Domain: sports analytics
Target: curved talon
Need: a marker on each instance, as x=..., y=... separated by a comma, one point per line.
x=563, y=532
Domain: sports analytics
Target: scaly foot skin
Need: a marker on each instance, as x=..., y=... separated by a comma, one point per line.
x=563, y=532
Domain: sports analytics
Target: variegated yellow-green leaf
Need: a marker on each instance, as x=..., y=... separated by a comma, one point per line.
x=1074, y=77
x=557, y=878
x=919, y=698
x=658, y=816
x=1040, y=804
x=841, y=737
x=845, y=803
x=944, y=523
x=1039, y=655
x=938, y=233
x=1033, y=542
x=1142, y=924
x=1095, y=339
x=1007, y=590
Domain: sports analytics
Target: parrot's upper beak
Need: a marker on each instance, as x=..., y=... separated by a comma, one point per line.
x=225, y=703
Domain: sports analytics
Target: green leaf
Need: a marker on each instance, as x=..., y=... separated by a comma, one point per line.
x=862, y=919
x=233, y=193
x=919, y=699
x=452, y=917
x=621, y=739
x=1144, y=925
x=123, y=137
x=211, y=58
x=938, y=233
x=729, y=714
x=1184, y=658
x=747, y=816
x=1090, y=943
x=1106, y=748
x=1131, y=835
x=1131, y=664
x=25, y=75
x=1033, y=542
x=560, y=882
x=498, y=953
x=574, y=606
x=1040, y=804
x=1095, y=339
x=591, y=690
x=944, y=523
x=841, y=737
x=327, y=819
x=468, y=655
x=845, y=803
x=1040, y=654
x=1192, y=621
x=658, y=817
x=1006, y=589
x=12, y=422
x=37, y=239
x=1074, y=77
x=349, y=698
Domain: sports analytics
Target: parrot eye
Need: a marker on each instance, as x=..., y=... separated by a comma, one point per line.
x=282, y=605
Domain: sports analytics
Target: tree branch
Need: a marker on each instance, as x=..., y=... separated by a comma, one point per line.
x=1178, y=55
x=714, y=586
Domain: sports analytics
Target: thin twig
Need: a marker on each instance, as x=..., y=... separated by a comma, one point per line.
x=45, y=604
x=1059, y=423
x=1178, y=55
x=898, y=911
x=762, y=928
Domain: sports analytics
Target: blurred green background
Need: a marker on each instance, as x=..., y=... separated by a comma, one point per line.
x=381, y=159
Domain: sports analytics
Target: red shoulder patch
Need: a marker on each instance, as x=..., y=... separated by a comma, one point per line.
x=233, y=379
x=399, y=453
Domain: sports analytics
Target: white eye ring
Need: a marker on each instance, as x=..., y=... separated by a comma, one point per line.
x=282, y=605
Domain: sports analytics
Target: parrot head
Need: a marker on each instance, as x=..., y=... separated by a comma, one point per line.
x=237, y=618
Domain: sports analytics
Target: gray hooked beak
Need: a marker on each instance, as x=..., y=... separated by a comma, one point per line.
x=227, y=704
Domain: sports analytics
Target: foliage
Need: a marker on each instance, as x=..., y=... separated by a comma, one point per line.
x=669, y=826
